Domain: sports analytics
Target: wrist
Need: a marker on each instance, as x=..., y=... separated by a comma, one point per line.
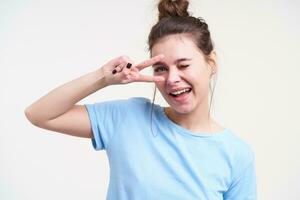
x=100, y=78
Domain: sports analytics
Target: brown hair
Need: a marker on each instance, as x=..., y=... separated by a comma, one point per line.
x=174, y=18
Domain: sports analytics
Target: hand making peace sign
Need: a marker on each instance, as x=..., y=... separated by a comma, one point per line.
x=121, y=71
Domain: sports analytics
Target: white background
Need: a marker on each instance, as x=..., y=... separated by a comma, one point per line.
x=44, y=44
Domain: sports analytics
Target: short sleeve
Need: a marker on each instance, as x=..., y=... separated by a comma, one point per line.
x=244, y=186
x=104, y=118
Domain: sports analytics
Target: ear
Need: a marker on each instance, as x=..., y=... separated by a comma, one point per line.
x=212, y=61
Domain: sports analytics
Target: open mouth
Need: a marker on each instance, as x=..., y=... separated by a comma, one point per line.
x=180, y=92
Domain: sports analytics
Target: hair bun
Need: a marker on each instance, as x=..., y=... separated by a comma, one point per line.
x=172, y=8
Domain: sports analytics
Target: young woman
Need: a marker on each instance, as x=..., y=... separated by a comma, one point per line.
x=168, y=153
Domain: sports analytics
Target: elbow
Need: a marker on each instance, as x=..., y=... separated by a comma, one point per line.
x=29, y=115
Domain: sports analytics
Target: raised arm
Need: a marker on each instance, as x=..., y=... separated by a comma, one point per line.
x=58, y=111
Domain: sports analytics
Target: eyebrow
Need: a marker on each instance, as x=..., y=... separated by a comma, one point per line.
x=176, y=61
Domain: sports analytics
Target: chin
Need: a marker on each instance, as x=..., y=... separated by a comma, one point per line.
x=182, y=109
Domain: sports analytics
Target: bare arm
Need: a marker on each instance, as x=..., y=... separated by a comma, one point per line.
x=57, y=110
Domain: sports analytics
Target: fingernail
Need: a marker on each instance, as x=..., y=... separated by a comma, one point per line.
x=114, y=71
x=128, y=65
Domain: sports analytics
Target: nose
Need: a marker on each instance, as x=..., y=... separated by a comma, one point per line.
x=173, y=76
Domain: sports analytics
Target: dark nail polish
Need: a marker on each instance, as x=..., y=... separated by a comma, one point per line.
x=128, y=65
x=114, y=71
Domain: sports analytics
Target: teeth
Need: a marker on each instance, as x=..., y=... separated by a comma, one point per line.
x=180, y=91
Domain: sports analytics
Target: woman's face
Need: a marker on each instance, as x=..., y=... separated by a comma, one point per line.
x=185, y=70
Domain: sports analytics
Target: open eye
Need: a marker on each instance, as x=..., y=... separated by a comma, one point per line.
x=159, y=69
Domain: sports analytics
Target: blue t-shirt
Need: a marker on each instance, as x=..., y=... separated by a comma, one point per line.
x=173, y=163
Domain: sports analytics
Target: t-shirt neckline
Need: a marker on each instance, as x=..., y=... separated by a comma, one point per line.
x=186, y=131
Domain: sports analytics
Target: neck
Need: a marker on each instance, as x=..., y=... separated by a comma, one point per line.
x=197, y=120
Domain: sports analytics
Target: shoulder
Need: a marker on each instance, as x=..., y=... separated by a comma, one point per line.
x=137, y=104
x=242, y=166
x=123, y=102
x=241, y=150
x=139, y=100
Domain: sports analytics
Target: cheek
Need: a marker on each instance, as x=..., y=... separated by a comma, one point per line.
x=200, y=82
x=159, y=86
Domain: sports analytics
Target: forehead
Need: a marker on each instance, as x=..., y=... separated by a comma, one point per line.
x=174, y=46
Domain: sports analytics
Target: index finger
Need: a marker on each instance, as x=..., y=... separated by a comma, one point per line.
x=149, y=62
